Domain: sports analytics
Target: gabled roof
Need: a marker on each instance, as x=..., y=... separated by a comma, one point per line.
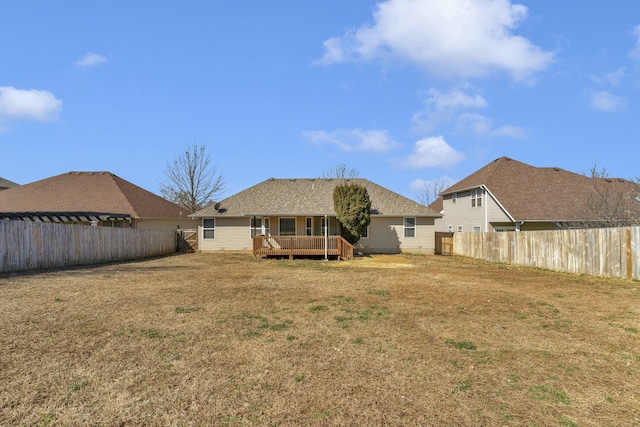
x=5, y=183
x=88, y=192
x=307, y=197
x=541, y=194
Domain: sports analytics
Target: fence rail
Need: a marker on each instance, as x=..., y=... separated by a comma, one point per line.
x=302, y=246
x=34, y=245
x=609, y=252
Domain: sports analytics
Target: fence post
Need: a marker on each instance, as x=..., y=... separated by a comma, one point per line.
x=629, y=254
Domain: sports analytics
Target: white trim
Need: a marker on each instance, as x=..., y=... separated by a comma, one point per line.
x=308, y=230
x=405, y=228
x=205, y=229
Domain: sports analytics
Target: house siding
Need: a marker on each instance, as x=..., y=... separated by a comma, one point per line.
x=495, y=213
x=166, y=224
x=386, y=235
x=235, y=233
x=230, y=234
x=463, y=214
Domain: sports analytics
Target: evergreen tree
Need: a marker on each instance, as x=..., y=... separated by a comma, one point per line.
x=353, y=210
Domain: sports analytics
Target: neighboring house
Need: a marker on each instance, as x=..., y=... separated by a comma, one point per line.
x=6, y=184
x=96, y=198
x=508, y=195
x=304, y=207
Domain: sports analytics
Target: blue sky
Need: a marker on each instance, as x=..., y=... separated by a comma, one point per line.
x=405, y=91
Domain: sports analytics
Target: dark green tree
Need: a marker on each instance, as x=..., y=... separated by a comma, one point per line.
x=353, y=210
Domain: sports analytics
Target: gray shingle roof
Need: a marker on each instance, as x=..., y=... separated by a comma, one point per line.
x=540, y=193
x=88, y=191
x=5, y=183
x=309, y=196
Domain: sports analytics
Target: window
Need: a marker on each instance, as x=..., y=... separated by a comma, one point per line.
x=450, y=228
x=287, y=226
x=209, y=228
x=409, y=227
x=459, y=229
x=365, y=235
x=323, y=226
x=260, y=226
x=476, y=198
x=476, y=229
x=454, y=198
x=309, y=226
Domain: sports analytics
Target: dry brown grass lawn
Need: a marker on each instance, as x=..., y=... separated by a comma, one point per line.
x=224, y=339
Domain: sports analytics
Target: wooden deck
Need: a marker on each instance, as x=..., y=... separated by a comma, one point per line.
x=302, y=246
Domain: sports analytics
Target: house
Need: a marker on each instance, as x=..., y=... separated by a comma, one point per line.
x=303, y=208
x=96, y=198
x=508, y=195
x=6, y=184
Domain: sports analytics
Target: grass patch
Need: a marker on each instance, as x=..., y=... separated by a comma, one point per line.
x=151, y=333
x=462, y=345
x=462, y=387
x=79, y=385
x=550, y=394
x=380, y=293
x=186, y=310
x=566, y=422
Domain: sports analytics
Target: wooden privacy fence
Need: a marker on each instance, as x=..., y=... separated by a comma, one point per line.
x=35, y=245
x=444, y=243
x=609, y=252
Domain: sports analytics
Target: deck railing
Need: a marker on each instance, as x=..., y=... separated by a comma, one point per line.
x=302, y=246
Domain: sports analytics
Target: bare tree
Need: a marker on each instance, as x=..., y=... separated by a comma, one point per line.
x=191, y=180
x=611, y=202
x=429, y=191
x=341, y=171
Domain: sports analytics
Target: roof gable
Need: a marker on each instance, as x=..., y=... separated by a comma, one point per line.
x=88, y=191
x=309, y=196
x=541, y=193
x=5, y=183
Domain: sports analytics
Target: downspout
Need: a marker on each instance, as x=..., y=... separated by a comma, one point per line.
x=486, y=209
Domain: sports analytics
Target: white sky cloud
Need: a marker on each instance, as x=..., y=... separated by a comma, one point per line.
x=613, y=78
x=29, y=104
x=606, y=101
x=452, y=38
x=442, y=107
x=635, y=52
x=90, y=59
x=483, y=126
x=442, y=183
x=432, y=152
x=449, y=107
x=354, y=140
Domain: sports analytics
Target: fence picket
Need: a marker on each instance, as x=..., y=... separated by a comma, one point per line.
x=33, y=245
x=610, y=252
